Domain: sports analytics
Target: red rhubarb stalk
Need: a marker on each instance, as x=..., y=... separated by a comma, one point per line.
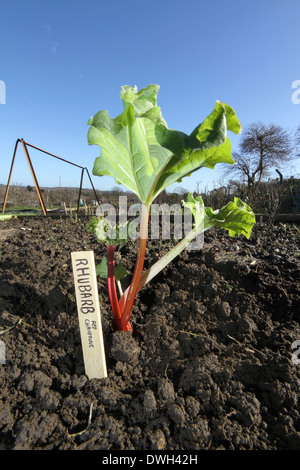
x=133, y=286
x=111, y=283
x=129, y=299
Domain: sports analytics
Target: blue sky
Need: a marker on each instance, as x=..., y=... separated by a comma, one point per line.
x=62, y=61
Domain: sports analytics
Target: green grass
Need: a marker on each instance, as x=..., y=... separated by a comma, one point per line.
x=5, y=216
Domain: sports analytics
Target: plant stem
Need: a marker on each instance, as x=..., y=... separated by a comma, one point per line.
x=128, y=299
x=112, y=285
x=120, y=288
x=168, y=257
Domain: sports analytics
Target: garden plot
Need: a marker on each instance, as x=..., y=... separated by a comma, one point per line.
x=212, y=363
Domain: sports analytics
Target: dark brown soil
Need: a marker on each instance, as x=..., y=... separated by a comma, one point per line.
x=211, y=364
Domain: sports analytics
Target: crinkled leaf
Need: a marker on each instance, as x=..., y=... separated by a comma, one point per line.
x=236, y=216
x=129, y=151
x=233, y=124
x=179, y=168
x=107, y=232
x=212, y=132
x=140, y=152
x=206, y=146
x=142, y=100
x=196, y=206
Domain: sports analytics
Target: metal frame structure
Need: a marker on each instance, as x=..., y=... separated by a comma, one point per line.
x=25, y=145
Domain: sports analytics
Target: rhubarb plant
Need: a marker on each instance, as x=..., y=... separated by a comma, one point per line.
x=140, y=152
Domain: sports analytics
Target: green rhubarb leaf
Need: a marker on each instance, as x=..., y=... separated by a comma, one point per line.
x=196, y=206
x=120, y=272
x=233, y=124
x=179, y=168
x=142, y=100
x=206, y=146
x=102, y=270
x=129, y=150
x=236, y=216
x=212, y=132
x=107, y=232
x=142, y=153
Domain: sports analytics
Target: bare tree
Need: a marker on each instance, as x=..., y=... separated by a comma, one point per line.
x=262, y=147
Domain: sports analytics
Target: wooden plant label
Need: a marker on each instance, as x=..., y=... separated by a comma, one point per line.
x=88, y=308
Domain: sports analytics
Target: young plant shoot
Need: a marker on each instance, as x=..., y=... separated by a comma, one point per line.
x=140, y=152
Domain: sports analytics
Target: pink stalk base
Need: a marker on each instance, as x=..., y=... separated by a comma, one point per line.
x=112, y=286
x=122, y=309
x=127, y=301
x=130, y=298
x=112, y=291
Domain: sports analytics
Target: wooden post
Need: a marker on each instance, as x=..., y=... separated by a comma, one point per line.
x=79, y=195
x=9, y=177
x=34, y=177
